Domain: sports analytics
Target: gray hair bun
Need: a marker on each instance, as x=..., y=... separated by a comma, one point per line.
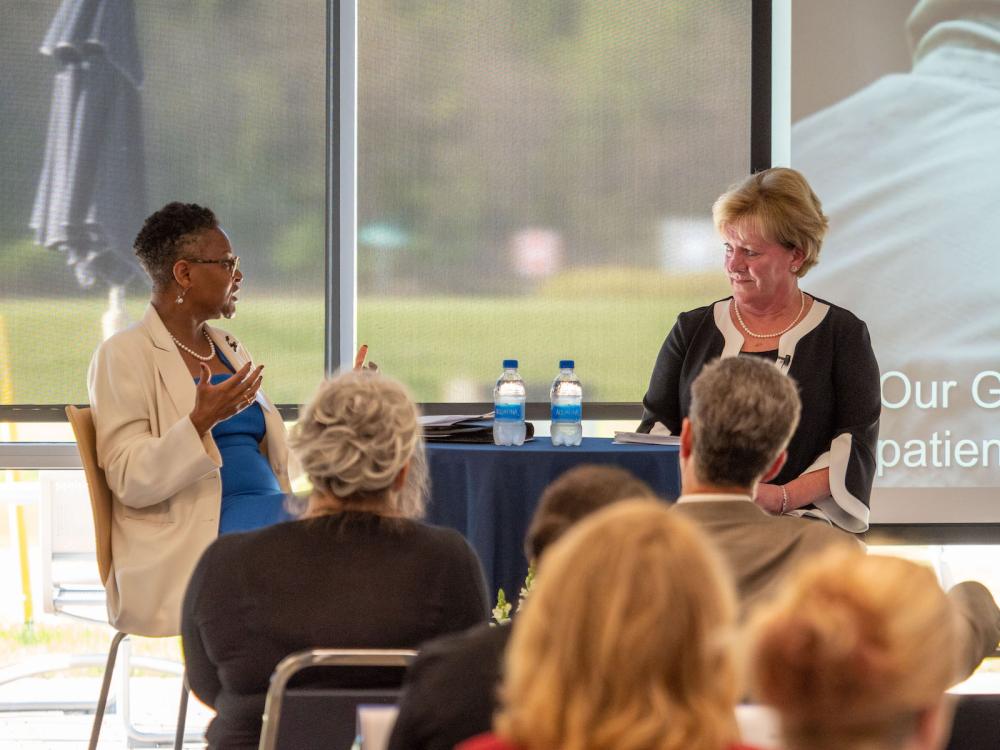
x=356, y=435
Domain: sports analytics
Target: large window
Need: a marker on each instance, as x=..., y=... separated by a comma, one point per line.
x=535, y=181
x=216, y=103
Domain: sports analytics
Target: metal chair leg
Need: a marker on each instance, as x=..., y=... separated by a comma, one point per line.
x=135, y=736
x=102, y=701
x=182, y=713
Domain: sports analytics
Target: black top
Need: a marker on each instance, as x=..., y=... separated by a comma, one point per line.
x=829, y=355
x=451, y=690
x=351, y=580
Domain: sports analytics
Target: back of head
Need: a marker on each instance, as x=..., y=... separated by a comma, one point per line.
x=624, y=642
x=575, y=494
x=852, y=650
x=778, y=205
x=165, y=232
x=354, y=438
x=743, y=413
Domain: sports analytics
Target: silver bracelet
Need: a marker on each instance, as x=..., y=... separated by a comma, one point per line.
x=784, y=500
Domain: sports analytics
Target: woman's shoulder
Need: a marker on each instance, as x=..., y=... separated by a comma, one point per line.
x=358, y=524
x=698, y=314
x=244, y=545
x=838, y=315
x=125, y=359
x=438, y=536
x=690, y=322
x=126, y=341
x=431, y=548
x=137, y=340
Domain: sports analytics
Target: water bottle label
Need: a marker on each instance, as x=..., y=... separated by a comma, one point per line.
x=509, y=412
x=567, y=412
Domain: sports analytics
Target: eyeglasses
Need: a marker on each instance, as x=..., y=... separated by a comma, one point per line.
x=230, y=264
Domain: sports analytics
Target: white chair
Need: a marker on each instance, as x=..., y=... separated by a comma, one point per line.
x=70, y=583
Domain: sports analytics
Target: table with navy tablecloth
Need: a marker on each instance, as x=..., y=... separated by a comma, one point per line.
x=489, y=492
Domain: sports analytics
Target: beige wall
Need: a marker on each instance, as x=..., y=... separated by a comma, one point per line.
x=839, y=46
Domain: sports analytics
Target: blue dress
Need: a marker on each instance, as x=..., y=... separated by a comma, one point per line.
x=251, y=495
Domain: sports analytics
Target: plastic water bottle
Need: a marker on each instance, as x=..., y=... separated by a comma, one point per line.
x=508, y=405
x=566, y=397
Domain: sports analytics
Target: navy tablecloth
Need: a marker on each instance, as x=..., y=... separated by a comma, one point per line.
x=488, y=493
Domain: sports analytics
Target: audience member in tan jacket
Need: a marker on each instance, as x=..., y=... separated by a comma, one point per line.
x=743, y=412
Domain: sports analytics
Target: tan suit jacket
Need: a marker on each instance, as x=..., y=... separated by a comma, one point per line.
x=164, y=477
x=761, y=549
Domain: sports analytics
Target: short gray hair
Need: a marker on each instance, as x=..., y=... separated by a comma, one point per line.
x=743, y=413
x=354, y=438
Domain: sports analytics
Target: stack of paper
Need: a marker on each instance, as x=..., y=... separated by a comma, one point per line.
x=644, y=438
x=463, y=428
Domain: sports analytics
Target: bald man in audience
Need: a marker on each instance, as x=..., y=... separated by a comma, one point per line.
x=743, y=413
x=450, y=690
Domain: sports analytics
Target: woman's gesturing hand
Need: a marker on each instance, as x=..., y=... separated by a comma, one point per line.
x=214, y=403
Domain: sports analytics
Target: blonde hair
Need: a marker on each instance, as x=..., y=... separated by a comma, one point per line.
x=779, y=205
x=354, y=438
x=853, y=649
x=624, y=642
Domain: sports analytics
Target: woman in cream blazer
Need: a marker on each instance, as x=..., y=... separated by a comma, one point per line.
x=153, y=422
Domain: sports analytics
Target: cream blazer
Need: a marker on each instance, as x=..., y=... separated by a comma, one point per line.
x=164, y=477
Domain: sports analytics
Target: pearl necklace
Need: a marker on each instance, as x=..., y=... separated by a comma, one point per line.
x=193, y=353
x=792, y=325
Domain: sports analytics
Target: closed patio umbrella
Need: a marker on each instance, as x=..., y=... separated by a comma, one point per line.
x=91, y=196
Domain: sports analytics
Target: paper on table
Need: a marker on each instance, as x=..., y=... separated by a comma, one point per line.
x=448, y=420
x=643, y=438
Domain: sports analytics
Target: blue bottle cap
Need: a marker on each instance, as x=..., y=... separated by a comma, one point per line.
x=566, y=364
x=510, y=364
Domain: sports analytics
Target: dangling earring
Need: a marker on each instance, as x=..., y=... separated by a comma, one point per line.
x=179, y=299
x=795, y=269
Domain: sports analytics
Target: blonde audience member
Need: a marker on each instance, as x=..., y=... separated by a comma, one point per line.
x=856, y=653
x=624, y=643
x=450, y=691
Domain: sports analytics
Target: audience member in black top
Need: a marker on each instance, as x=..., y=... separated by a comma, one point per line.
x=356, y=571
x=451, y=688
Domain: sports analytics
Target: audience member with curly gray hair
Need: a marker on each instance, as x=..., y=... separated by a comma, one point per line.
x=357, y=570
x=359, y=443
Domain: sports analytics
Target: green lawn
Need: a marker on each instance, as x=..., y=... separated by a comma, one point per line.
x=437, y=345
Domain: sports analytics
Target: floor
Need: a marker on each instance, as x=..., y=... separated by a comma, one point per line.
x=153, y=711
